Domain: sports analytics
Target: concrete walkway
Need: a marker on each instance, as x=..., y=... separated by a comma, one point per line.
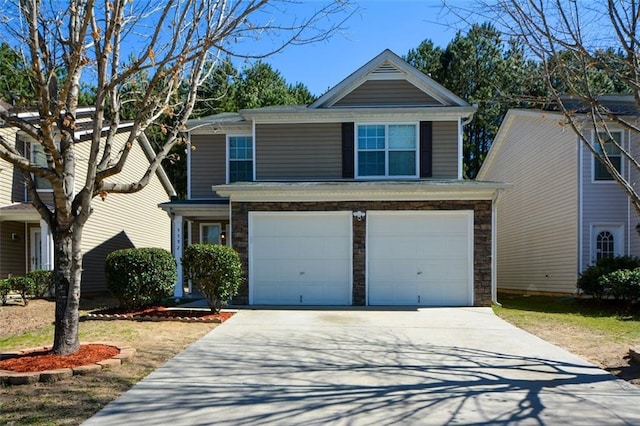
x=367, y=367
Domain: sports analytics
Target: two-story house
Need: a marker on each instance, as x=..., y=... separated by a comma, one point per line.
x=118, y=221
x=356, y=199
x=564, y=211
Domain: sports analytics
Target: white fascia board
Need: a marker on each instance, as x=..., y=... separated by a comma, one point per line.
x=207, y=128
x=203, y=210
x=360, y=191
x=339, y=115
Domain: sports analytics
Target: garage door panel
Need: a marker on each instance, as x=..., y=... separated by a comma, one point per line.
x=419, y=258
x=300, y=258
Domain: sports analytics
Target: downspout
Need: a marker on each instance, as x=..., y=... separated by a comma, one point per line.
x=461, y=123
x=253, y=143
x=188, y=165
x=494, y=247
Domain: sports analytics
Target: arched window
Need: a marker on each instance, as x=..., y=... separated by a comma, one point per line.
x=604, y=245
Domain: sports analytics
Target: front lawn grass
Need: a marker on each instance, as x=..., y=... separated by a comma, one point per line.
x=601, y=333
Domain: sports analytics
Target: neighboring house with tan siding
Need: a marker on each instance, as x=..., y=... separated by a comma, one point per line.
x=356, y=199
x=563, y=211
x=120, y=221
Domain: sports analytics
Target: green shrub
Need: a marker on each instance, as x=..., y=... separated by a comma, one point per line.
x=140, y=276
x=589, y=281
x=43, y=281
x=23, y=285
x=5, y=289
x=215, y=270
x=623, y=285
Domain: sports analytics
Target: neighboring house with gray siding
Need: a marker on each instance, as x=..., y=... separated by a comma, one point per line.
x=120, y=221
x=356, y=199
x=563, y=211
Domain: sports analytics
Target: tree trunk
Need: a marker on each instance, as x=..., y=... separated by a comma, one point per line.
x=67, y=277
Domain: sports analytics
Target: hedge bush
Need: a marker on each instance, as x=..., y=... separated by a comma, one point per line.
x=623, y=285
x=5, y=289
x=43, y=282
x=215, y=270
x=139, y=277
x=589, y=281
x=23, y=285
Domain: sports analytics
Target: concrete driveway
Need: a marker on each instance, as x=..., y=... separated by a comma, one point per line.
x=351, y=367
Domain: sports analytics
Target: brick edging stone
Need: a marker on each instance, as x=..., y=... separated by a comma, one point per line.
x=17, y=378
x=111, y=317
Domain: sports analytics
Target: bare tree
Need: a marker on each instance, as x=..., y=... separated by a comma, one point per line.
x=587, y=50
x=167, y=45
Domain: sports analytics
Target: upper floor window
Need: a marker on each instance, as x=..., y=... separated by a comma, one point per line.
x=600, y=171
x=240, y=155
x=387, y=150
x=39, y=157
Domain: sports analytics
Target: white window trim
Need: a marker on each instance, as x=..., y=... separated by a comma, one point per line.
x=386, y=176
x=616, y=229
x=202, y=225
x=253, y=153
x=594, y=159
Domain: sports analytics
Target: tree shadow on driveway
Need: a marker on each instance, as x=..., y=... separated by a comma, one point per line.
x=345, y=375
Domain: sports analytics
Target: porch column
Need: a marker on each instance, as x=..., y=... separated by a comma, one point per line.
x=46, y=246
x=178, y=291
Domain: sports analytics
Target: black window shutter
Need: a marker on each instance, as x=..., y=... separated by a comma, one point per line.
x=426, y=148
x=348, y=130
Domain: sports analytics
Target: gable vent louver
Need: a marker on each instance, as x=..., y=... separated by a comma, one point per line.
x=387, y=70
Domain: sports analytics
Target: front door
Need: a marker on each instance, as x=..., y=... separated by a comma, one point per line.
x=36, y=249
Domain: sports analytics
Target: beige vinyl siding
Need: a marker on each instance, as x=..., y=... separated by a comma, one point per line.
x=445, y=150
x=12, y=252
x=6, y=170
x=299, y=151
x=537, y=218
x=386, y=93
x=123, y=220
x=12, y=189
x=208, y=164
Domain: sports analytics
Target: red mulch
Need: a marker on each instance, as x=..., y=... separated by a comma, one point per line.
x=45, y=360
x=162, y=312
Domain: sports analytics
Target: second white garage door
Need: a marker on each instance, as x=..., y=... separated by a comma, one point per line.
x=420, y=258
x=300, y=258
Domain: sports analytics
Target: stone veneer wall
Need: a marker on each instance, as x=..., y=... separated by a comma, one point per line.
x=481, y=232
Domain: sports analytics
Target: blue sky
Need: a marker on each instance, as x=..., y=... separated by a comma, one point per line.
x=398, y=25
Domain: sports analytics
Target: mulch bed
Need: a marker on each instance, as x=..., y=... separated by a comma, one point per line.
x=34, y=365
x=160, y=313
x=46, y=360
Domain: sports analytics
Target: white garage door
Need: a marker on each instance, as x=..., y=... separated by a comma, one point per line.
x=420, y=258
x=300, y=258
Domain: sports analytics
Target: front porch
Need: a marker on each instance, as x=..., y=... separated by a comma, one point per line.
x=25, y=241
x=196, y=221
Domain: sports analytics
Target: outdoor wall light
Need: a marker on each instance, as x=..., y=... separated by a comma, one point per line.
x=359, y=215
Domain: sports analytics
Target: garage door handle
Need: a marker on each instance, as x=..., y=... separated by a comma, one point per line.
x=301, y=272
x=419, y=273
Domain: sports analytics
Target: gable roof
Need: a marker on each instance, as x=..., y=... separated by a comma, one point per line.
x=414, y=95
x=388, y=66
